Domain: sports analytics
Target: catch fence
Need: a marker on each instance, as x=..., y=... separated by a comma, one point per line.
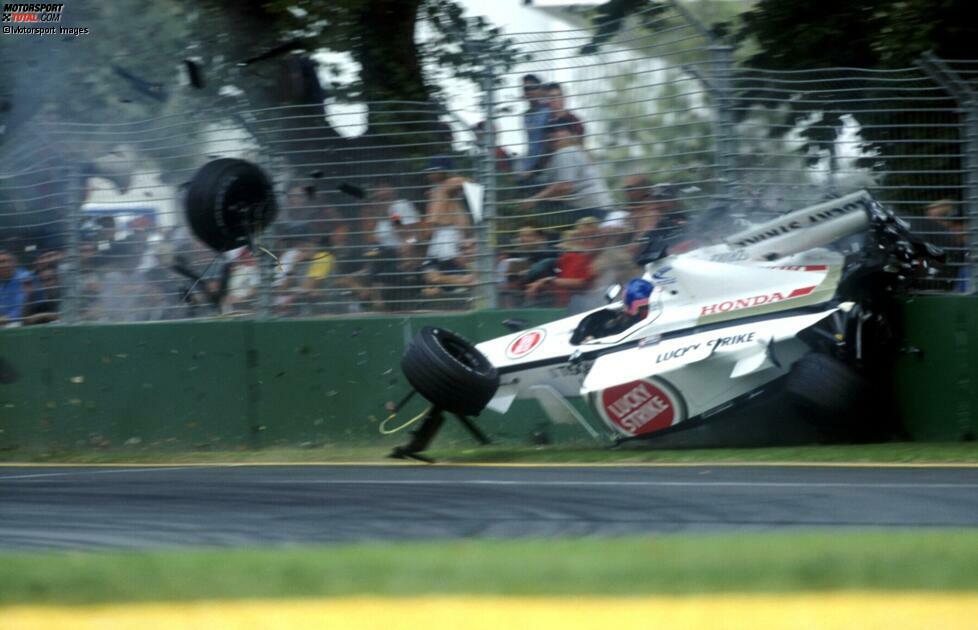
x=553, y=162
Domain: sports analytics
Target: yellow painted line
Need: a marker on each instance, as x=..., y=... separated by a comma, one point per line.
x=807, y=611
x=393, y=464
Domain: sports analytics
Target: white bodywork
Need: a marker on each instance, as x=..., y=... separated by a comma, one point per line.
x=723, y=321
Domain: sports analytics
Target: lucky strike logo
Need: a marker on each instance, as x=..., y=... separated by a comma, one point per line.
x=638, y=407
x=525, y=343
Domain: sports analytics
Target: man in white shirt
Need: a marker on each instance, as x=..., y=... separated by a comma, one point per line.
x=394, y=216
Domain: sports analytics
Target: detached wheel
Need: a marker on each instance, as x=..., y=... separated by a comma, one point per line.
x=449, y=371
x=228, y=201
x=828, y=390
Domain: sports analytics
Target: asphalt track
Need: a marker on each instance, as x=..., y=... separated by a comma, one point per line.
x=147, y=506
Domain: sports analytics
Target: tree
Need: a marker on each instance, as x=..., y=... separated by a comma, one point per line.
x=792, y=35
x=801, y=35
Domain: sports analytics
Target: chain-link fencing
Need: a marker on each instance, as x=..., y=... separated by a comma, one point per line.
x=532, y=185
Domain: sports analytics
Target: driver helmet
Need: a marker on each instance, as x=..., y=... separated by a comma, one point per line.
x=637, y=295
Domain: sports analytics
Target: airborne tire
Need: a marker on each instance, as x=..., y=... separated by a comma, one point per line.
x=228, y=202
x=828, y=390
x=449, y=371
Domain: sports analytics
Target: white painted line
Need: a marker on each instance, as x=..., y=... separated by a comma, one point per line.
x=612, y=484
x=89, y=471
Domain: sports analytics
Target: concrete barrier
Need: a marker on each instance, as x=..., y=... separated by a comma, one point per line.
x=219, y=384
x=228, y=385
x=937, y=372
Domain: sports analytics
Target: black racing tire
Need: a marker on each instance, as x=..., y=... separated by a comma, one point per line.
x=829, y=391
x=229, y=202
x=449, y=371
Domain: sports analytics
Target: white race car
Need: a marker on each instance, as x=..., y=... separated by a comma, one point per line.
x=771, y=304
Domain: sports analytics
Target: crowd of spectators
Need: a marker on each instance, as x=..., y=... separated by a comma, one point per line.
x=401, y=242
x=404, y=243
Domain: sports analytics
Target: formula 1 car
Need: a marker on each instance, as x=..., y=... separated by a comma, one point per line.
x=768, y=305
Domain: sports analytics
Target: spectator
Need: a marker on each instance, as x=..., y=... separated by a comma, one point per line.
x=554, y=96
x=948, y=230
x=446, y=214
x=574, y=271
x=243, y=283
x=530, y=258
x=399, y=280
x=392, y=216
x=535, y=123
x=452, y=279
x=573, y=178
x=45, y=299
x=504, y=161
x=656, y=214
x=350, y=270
x=15, y=285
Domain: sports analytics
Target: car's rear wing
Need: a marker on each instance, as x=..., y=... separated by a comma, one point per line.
x=807, y=228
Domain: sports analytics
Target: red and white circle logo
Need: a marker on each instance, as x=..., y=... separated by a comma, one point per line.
x=525, y=343
x=639, y=407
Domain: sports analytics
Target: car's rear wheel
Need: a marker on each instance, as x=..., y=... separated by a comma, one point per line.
x=829, y=391
x=449, y=371
x=229, y=202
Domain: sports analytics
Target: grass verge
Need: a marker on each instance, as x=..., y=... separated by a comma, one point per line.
x=744, y=563
x=888, y=453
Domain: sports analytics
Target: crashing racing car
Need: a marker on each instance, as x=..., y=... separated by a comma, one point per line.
x=699, y=332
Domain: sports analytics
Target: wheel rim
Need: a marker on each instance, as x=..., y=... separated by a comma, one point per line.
x=462, y=353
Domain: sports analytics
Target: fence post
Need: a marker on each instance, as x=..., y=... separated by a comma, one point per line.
x=966, y=98
x=74, y=198
x=487, y=228
x=721, y=61
x=970, y=196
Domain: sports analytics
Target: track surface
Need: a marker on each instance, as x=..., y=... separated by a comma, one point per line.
x=265, y=505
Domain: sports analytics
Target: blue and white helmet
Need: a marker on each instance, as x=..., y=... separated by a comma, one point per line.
x=637, y=295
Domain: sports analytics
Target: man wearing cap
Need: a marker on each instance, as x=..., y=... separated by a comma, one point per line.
x=573, y=178
x=392, y=216
x=445, y=214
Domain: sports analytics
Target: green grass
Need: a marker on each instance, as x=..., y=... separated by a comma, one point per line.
x=931, y=560
x=892, y=453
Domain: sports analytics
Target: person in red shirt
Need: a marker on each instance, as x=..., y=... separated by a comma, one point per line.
x=575, y=267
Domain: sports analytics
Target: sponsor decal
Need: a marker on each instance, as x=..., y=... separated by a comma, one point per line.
x=801, y=267
x=818, y=214
x=731, y=340
x=639, y=407
x=727, y=257
x=756, y=300
x=525, y=343
x=719, y=342
x=579, y=369
x=661, y=277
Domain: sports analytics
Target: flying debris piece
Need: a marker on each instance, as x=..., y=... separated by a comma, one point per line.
x=317, y=174
x=279, y=50
x=310, y=191
x=352, y=190
x=194, y=73
x=148, y=88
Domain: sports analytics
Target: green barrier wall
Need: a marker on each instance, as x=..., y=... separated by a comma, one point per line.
x=937, y=373
x=241, y=384
x=225, y=384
